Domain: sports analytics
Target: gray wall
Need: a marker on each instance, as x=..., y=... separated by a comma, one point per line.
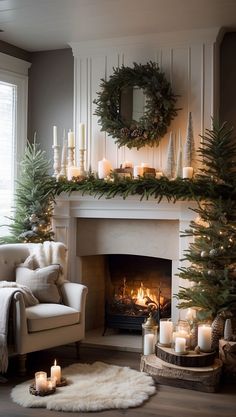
x=50, y=96
x=228, y=79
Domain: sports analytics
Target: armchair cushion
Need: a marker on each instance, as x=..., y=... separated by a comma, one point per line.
x=50, y=316
x=41, y=281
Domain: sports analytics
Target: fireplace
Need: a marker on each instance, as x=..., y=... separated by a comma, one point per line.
x=94, y=229
x=136, y=286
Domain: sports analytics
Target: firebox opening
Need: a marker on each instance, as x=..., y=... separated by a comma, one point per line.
x=136, y=286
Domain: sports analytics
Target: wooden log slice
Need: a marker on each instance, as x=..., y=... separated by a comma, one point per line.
x=192, y=359
x=205, y=379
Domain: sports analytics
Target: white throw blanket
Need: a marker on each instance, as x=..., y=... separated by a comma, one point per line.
x=50, y=253
x=7, y=291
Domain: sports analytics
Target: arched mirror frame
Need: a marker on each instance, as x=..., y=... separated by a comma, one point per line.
x=159, y=109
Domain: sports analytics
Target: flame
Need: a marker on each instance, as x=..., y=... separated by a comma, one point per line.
x=144, y=293
x=55, y=362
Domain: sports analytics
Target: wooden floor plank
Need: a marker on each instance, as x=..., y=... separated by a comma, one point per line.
x=167, y=402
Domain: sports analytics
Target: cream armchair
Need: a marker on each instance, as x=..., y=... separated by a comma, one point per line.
x=44, y=325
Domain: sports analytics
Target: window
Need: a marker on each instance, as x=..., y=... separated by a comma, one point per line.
x=7, y=165
x=13, y=106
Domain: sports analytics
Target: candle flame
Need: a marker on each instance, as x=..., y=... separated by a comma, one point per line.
x=55, y=362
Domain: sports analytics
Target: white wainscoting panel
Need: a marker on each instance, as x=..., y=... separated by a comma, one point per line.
x=189, y=60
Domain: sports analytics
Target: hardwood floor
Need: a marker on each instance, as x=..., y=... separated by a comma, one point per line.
x=167, y=402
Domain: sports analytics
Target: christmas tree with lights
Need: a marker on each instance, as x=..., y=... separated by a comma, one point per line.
x=212, y=255
x=34, y=199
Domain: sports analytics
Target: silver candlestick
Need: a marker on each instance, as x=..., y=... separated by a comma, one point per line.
x=56, y=160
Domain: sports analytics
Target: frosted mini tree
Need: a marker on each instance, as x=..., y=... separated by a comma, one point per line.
x=33, y=199
x=170, y=162
x=189, y=149
x=212, y=255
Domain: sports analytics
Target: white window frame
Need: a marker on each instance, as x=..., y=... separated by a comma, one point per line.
x=15, y=71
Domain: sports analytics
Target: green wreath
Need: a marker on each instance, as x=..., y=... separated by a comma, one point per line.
x=159, y=106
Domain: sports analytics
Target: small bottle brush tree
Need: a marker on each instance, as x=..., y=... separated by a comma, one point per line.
x=212, y=255
x=34, y=199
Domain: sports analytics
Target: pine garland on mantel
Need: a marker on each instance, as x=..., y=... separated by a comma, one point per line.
x=172, y=190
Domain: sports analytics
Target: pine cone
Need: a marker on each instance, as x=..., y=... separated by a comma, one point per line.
x=217, y=331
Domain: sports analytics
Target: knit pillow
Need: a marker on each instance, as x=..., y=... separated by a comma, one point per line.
x=41, y=281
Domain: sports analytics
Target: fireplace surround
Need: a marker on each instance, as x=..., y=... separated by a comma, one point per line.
x=93, y=228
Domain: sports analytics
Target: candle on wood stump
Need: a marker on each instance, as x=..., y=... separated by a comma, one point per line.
x=180, y=344
x=104, y=168
x=41, y=381
x=148, y=344
x=56, y=372
x=187, y=172
x=204, y=337
x=166, y=330
x=127, y=164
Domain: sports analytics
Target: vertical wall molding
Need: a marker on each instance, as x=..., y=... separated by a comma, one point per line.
x=189, y=60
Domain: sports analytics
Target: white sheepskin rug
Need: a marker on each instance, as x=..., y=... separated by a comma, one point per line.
x=94, y=387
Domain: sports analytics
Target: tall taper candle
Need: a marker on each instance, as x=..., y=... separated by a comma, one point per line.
x=55, y=141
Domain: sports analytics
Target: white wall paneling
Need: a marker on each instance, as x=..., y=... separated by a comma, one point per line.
x=189, y=61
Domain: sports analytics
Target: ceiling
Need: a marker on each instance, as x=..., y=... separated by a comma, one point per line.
x=36, y=25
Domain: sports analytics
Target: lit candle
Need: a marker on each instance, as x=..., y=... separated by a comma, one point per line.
x=41, y=381
x=204, y=337
x=71, y=139
x=166, y=330
x=159, y=174
x=72, y=172
x=187, y=172
x=56, y=372
x=180, y=344
x=104, y=168
x=55, y=142
x=138, y=171
x=82, y=136
x=148, y=344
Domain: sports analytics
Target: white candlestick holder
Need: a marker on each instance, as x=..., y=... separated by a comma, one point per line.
x=71, y=156
x=81, y=162
x=56, y=160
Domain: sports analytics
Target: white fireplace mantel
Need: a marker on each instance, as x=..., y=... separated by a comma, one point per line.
x=70, y=208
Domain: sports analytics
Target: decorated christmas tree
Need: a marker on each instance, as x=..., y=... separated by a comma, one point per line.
x=212, y=255
x=34, y=198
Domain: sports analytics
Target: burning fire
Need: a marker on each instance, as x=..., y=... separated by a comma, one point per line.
x=145, y=295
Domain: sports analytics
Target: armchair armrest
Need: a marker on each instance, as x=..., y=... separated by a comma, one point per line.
x=74, y=295
x=20, y=322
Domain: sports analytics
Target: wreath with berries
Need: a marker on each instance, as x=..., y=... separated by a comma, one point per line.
x=159, y=109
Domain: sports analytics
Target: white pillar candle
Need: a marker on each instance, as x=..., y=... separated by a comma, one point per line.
x=82, y=137
x=187, y=172
x=72, y=172
x=204, y=337
x=56, y=372
x=138, y=171
x=148, y=344
x=180, y=344
x=166, y=330
x=159, y=174
x=41, y=381
x=55, y=141
x=71, y=139
x=104, y=168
